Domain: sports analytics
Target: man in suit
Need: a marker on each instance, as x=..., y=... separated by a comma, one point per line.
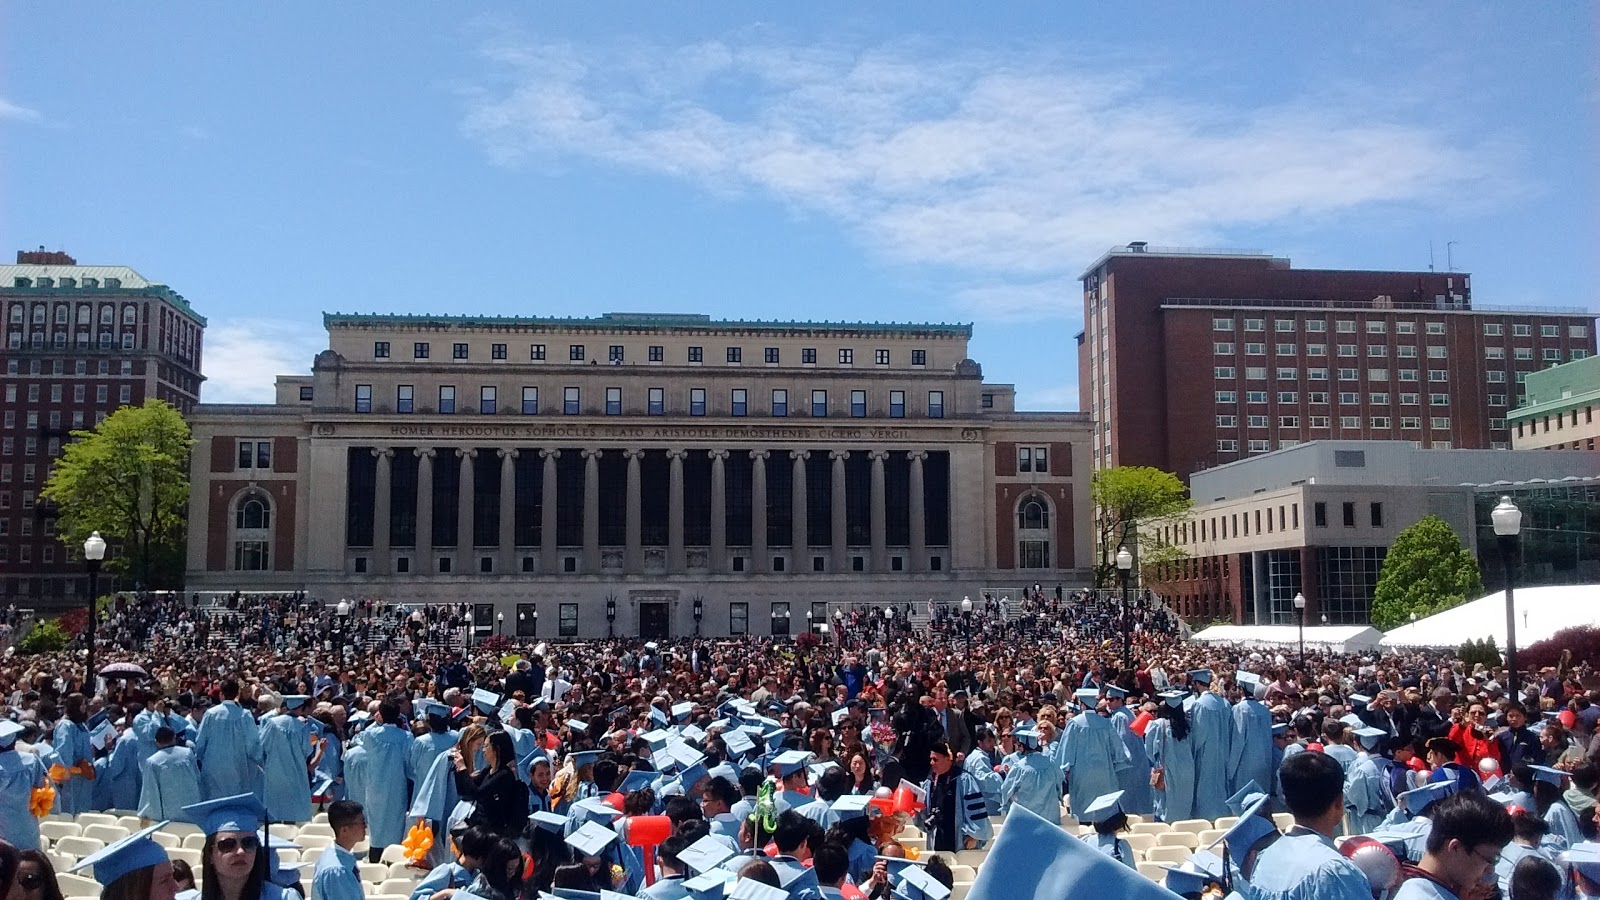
x=954, y=723
x=1433, y=718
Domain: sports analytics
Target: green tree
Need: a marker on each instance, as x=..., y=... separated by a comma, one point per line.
x=1125, y=498
x=128, y=479
x=1426, y=570
x=43, y=637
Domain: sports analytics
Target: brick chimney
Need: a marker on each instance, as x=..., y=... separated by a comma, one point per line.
x=43, y=257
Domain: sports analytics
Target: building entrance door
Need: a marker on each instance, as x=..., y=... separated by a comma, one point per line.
x=653, y=621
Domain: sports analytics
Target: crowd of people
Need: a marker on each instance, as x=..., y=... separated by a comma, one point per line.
x=745, y=763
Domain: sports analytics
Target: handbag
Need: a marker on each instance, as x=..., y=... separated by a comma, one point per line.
x=1158, y=778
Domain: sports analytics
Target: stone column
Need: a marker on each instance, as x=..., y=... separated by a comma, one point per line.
x=919, y=523
x=381, y=497
x=758, y=512
x=549, y=559
x=841, y=540
x=464, y=500
x=633, y=553
x=879, y=521
x=797, y=519
x=424, y=563
x=591, y=511
x=676, y=561
x=719, y=511
x=508, y=510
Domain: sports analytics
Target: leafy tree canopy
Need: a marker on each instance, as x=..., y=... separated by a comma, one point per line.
x=1426, y=570
x=1126, y=497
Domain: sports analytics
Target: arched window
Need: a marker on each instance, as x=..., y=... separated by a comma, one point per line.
x=253, y=513
x=1033, y=514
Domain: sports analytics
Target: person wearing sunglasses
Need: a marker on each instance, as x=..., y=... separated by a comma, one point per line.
x=134, y=868
x=233, y=862
x=36, y=878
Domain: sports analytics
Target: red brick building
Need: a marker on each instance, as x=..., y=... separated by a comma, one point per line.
x=1193, y=358
x=80, y=341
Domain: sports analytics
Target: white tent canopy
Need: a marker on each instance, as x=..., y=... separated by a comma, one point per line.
x=1337, y=638
x=1540, y=613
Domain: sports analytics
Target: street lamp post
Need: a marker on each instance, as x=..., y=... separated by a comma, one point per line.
x=1124, y=569
x=966, y=617
x=1300, y=607
x=341, y=611
x=888, y=621
x=94, y=551
x=611, y=617
x=1507, y=520
x=500, y=624
x=810, y=624
x=699, y=613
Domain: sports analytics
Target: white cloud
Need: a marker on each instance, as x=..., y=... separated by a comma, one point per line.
x=1013, y=170
x=243, y=357
x=16, y=113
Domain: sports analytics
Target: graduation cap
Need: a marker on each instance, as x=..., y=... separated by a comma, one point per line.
x=736, y=707
x=1548, y=775
x=240, y=812
x=1203, y=676
x=1417, y=800
x=1359, y=700
x=1243, y=797
x=1104, y=807
x=1352, y=720
x=1172, y=698
x=100, y=735
x=705, y=854
x=294, y=701
x=508, y=710
x=486, y=701
x=322, y=786
x=659, y=717
x=1370, y=736
x=1035, y=860
x=431, y=709
x=852, y=806
x=652, y=646
x=1087, y=696
x=692, y=776
x=461, y=716
x=593, y=809
x=549, y=821
x=738, y=742
x=585, y=758
x=637, y=779
x=132, y=853
x=591, y=839
x=95, y=721
x=750, y=889
x=915, y=883
x=9, y=731
x=285, y=874
x=1115, y=693
x=817, y=770
x=682, y=711
x=724, y=770
x=789, y=762
x=709, y=885
x=692, y=733
x=839, y=715
x=795, y=878
x=1027, y=737
x=1280, y=729
x=1251, y=827
x=579, y=727
x=657, y=738
x=1585, y=857
x=684, y=755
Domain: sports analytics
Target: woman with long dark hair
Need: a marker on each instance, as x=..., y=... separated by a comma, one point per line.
x=36, y=878
x=859, y=764
x=233, y=861
x=134, y=868
x=499, y=797
x=1172, y=764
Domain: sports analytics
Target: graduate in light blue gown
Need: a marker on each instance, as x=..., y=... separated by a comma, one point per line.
x=385, y=801
x=980, y=764
x=1367, y=800
x=1304, y=864
x=1211, y=729
x=171, y=780
x=329, y=770
x=1092, y=755
x=20, y=773
x=1170, y=748
x=1250, y=753
x=435, y=801
x=1134, y=781
x=229, y=748
x=1563, y=822
x=116, y=775
x=287, y=754
x=71, y=741
x=1469, y=833
x=1528, y=830
x=1109, y=820
x=1034, y=782
x=427, y=747
x=1583, y=862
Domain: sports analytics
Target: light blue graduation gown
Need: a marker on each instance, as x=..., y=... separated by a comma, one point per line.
x=116, y=776
x=667, y=888
x=355, y=771
x=1250, y=757
x=1034, y=783
x=1176, y=759
x=1112, y=846
x=331, y=764
x=1563, y=823
x=977, y=765
x=449, y=875
x=526, y=743
x=1134, y=781
x=1367, y=801
x=1303, y=865
x=336, y=876
x=1211, y=730
x=20, y=773
x=171, y=782
x=1093, y=758
x=229, y=750
x=424, y=750
x=386, y=747
x=286, y=785
x=71, y=741
x=1509, y=857
x=49, y=758
x=436, y=798
x=1423, y=889
x=1346, y=755
x=862, y=858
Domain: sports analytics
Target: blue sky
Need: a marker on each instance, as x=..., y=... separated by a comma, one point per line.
x=915, y=161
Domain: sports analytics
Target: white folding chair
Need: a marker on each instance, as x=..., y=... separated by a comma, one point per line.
x=78, y=847
x=77, y=886
x=108, y=833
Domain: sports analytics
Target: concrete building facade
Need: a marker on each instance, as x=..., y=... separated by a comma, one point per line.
x=80, y=341
x=638, y=473
x=1195, y=358
x=1557, y=413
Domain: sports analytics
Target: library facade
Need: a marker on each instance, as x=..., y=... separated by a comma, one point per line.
x=639, y=474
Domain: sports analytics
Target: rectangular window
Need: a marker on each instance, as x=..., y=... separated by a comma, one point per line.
x=1317, y=374
x=614, y=353
x=656, y=402
x=458, y=351
x=808, y=356
x=1288, y=421
x=1255, y=396
x=1284, y=349
x=847, y=357
x=1041, y=460
x=1221, y=324
x=819, y=404
x=738, y=617
x=986, y=401
x=306, y=393
x=575, y=352
x=487, y=398
x=1551, y=354
x=1378, y=398
x=1223, y=372
x=1288, y=397
x=1497, y=399
x=936, y=404
x=405, y=398
x=497, y=351
x=447, y=398
x=1255, y=324
x=263, y=456
x=536, y=352
x=697, y=354
x=1349, y=350
x=1377, y=327
x=1548, y=331
x=1522, y=353
x=1436, y=351
x=1222, y=348
x=1288, y=374
x=1380, y=421
x=697, y=401
x=1319, y=422
x=1442, y=423
x=1227, y=445
x=1256, y=421
x=1260, y=446
x=1437, y=375
x=772, y=356
x=780, y=402
x=1319, y=514
x=880, y=357
x=1349, y=510
x=1227, y=396
x=1521, y=330
x=380, y=349
x=419, y=350
x=740, y=401
x=1499, y=424
x=1578, y=331
x=570, y=405
x=1493, y=329
x=247, y=455
x=1412, y=422
x=125, y=394
x=363, y=398
x=1316, y=349
x=1317, y=397
x=530, y=401
x=1347, y=326
x=897, y=404
x=613, y=401
x=1377, y=374
x=1255, y=373
x=567, y=625
x=1283, y=325
x=919, y=357
x=1435, y=328
x=735, y=354
x=1024, y=459
x=1377, y=351
x=1255, y=349
x=1227, y=421
x=858, y=404
x=658, y=353
x=1317, y=325
x=1351, y=422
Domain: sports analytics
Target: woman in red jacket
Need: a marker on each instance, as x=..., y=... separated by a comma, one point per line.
x=1472, y=734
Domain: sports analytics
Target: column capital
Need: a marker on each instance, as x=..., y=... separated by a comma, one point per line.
x=590, y=453
x=717, y=454
x=799, y=454
x=677, y=453
x=760, y=454
x=633, y=453
x=508, y=452
x=425, y=452
x=383, y=452
x=467, y=452
x=838, y=454
x=917, y=455
x=549, y=453
x=877, y=455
